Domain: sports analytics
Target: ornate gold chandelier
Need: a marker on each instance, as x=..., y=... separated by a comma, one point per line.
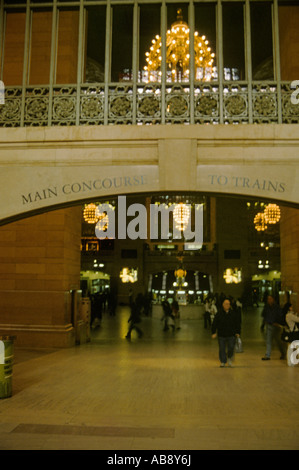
x=89, y=213
x=260, y=222
x=180, y=273
x=178, y=54
x=93, y=214
x=272, y=214
x=181, y=215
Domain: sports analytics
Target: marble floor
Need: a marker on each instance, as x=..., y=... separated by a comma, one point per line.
x=164, y=391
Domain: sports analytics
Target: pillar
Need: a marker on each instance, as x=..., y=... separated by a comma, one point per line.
x=289, y=234
x=289, y=225
x=39, y=278
x=40, y=256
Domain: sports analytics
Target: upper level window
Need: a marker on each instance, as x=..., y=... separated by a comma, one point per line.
x=14, y=48
x=95, y=44
x=205, y=25
x=261, y=41
x=150, y=28
x=63, y=38
x=67, y=45
x=40, y=47
x=233, y=41
x=122, y=43
x=178, y=55
x=289, y=39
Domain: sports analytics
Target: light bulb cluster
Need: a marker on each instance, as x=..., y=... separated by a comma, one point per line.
x=93, y=214
x=181, y=215
x=270, y=216
x=260, y=222
x=180, y=273
x=89, y=213
x=178, y=54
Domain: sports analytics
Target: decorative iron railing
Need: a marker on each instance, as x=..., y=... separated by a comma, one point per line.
x=129, y=103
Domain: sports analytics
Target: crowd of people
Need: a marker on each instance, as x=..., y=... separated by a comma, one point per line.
x=222, y=315
x=100, y=303
x=142, y=304
x=274, y=319
x=171, y=312
x=226, y=325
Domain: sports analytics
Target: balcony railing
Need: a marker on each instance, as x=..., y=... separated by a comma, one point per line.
x=235, y=102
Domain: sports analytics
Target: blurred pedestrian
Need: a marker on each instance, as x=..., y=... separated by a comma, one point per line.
x=167, y=316
x=134, y=320
x=273, y=321
x=226, y=326
x=176, y=314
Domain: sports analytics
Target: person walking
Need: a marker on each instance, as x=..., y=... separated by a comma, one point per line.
x=176, y=314
x=227, y=327
x=272, y=319
x=167, y=316
x=134, y=319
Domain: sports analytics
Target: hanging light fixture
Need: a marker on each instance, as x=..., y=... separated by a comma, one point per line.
x=103, y=218
x=93, y=213
x=89, y=213
x=181, y=215
x=180, y=273
x=178, y=54
x=272, y=214
x=260, y=222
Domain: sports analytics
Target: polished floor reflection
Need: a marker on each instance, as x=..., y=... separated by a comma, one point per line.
x=164, y=391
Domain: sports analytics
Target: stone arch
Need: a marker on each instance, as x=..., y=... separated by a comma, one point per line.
x=47, y=172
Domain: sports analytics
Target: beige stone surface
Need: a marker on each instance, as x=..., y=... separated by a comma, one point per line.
x=163, y=392
x=39, y=266
x=44, y=167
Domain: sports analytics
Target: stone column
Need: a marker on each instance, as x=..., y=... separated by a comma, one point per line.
x=289, y=225
x=289, y=241
x=40, y=278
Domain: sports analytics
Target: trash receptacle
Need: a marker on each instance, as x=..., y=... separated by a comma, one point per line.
x=6, y=365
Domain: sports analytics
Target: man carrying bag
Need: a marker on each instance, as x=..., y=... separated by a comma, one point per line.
x=226, y=326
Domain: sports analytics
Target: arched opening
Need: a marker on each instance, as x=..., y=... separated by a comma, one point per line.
x=236, y=258
x=62, y=266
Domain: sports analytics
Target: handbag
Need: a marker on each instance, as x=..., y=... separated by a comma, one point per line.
x=238, y=345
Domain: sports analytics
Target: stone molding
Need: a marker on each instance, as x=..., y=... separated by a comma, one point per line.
x=165, y=158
